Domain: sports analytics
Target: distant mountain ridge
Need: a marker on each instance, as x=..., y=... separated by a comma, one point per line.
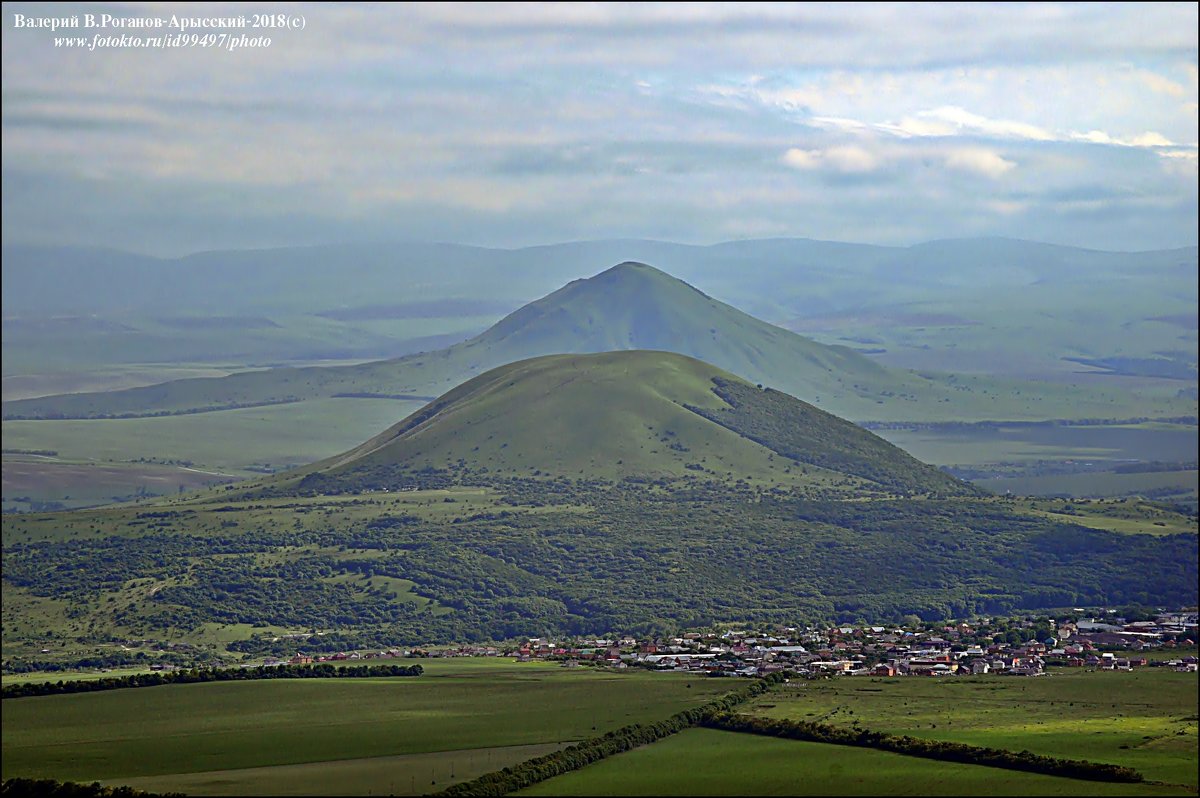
x=41, y=280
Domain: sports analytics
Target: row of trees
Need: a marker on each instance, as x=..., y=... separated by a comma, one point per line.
x=929, y=749
x=503, y=782
x=49, y=788
x=322, y=670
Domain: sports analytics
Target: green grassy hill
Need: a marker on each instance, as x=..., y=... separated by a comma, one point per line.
x=617, y=414
x=630, y=306
x=641, y=491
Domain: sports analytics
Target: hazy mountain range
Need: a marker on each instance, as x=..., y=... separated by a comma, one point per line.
x=628, y=306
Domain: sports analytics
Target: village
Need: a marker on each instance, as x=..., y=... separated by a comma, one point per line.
x=958, y=649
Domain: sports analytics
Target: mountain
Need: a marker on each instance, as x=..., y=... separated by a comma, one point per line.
x=630, y=306
x=595, y=494
x=636, y=306
x=622, y=414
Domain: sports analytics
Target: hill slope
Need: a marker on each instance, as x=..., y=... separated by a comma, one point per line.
x=630, y=306
x=621, y=414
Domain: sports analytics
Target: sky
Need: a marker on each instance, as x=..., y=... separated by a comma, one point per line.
x=523, y=124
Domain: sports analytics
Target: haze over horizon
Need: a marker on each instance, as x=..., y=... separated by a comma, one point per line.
x=520, y=125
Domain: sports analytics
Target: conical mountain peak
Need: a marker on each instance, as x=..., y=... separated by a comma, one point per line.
x=617, y=414
x=632, y=270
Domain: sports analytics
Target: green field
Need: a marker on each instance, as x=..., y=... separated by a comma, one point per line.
x=710, y=762
x=30, y=483
x=1126, y=516
x=177, y=736
x=1173, y=484
x=275, y=435
x=1144, y=719
x=1027, y=443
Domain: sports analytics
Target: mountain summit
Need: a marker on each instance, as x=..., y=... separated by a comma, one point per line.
x=629, y=306
x=620, y=414
x=635, y=306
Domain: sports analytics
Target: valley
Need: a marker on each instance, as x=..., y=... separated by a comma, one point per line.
x=600, y=459
x=268, y=419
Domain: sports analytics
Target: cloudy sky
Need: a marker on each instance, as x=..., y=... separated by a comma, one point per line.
x=524, y=124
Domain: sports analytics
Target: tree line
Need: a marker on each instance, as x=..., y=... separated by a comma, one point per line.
x=322, y=670
x=49, y=788
x=928, y=749
x=502, y=782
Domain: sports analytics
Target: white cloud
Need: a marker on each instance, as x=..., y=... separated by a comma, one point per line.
x=848, y=159
x=1180, y=162
x=802, y=159
x=851, y=159
x=1147, y=139
x=950, y=120
x=980, y=161
x=1157, y=83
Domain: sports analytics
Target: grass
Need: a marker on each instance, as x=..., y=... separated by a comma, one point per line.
x=278, y=435
x=1027, y=443
x=710, y=762
x=1126, y=516
x=29, y=481
x=406, y=774
x=635, y=412
x=459, y=705
x=1176, y=483
x=112, y=378
x=1144, y=719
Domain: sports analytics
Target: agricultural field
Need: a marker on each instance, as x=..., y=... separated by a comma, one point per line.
x=104, y=378
x=1167, y=485
x=978, y=444
x=40, y=483
x=462, y=718
x=1143, y=719
x=711, y=762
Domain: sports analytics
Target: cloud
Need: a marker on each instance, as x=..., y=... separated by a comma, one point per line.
x=530, y=122
x=979, y=161
x=951, y=120
x=1157, y=83
x=1147, y=139
x=848, y=159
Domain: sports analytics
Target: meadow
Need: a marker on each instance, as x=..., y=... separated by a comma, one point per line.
x=1144, y=719
x=1165, y=484
x=276, y=436
x=711, y=762
x=462, y=718
x=34, y=483
x=1028, y=443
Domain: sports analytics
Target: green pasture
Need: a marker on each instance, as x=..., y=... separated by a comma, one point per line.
x=28, y=480
x=467, y=706
x=980, y=445
x=1144, y=719
x=405, y=774
x=711, y=762
x=274, y=435
x=1172, y=483
x=1126, y=516
x=104, y=378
